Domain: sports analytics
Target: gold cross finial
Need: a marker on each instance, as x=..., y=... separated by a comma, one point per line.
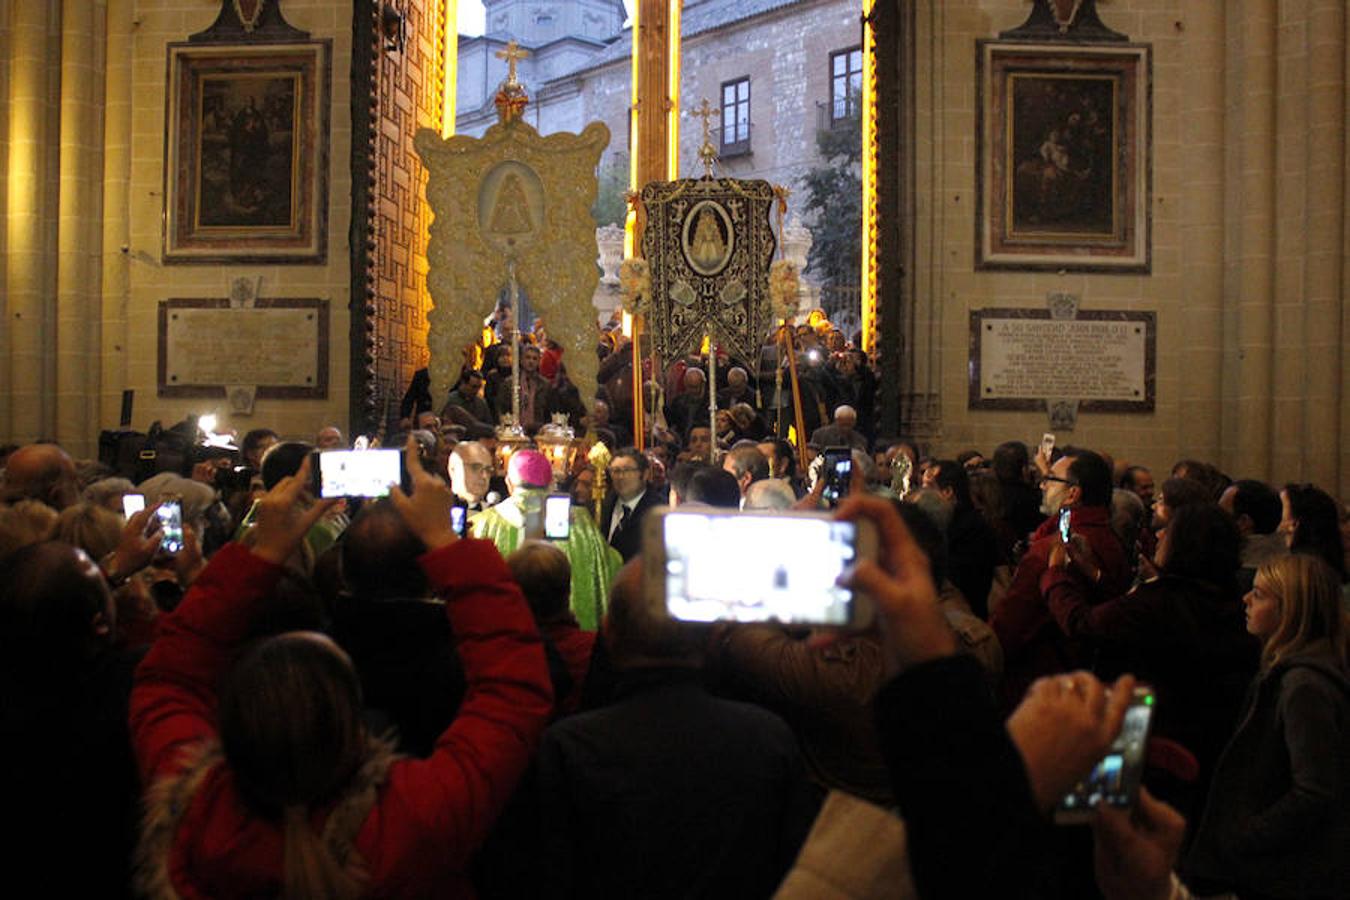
x=512, y=54
x=706, y=112
x=707, y=153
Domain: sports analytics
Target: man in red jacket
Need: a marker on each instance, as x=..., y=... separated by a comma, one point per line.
x=1032, y=643
x=253, y=823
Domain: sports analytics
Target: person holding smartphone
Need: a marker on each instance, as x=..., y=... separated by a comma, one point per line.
x=1181, y=632
x=343, y=816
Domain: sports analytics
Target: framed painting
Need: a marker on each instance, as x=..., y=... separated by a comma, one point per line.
x=1063, y=178
x=246, y=153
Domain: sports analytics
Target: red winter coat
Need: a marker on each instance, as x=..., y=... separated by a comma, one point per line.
x=430, y=814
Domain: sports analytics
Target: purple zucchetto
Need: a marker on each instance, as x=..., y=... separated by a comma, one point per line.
x=530, y=468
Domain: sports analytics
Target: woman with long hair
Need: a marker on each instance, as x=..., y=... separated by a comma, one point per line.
x=1277, y=822
x=264, y=780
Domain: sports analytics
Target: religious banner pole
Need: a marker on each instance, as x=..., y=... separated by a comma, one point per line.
x=635, y=351
x=796, y=396
x=517, y=389
x=712, y=398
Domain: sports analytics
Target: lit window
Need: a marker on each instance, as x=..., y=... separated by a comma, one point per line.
x=735, y=119
x=845, y=84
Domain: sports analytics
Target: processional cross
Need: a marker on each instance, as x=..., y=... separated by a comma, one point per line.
x=707, y=153
x=512, y=54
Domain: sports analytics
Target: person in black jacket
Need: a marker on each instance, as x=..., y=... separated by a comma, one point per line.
x=668, y=791
x=627, y=504
x=972, y=545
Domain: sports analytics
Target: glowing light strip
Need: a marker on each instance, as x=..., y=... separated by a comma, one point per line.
x=630, y=219
x=450, y=59
x=869, y=181
x=673, y=90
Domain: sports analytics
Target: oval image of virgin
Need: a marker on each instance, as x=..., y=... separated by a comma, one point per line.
x=707, y=239
x=510, y=207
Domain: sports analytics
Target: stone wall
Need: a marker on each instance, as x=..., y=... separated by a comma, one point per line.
x=84, y=87
x=1249, y=239
x=136, y=280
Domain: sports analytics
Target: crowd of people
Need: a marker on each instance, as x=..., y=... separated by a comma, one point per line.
x=342, y=698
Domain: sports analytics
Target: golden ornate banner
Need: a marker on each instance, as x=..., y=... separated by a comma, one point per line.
x=512, y=195
x=709, y=244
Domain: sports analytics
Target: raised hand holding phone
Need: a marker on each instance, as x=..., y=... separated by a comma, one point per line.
x=427, y=509
x=283, y=520
x=1063, y=726
x=900, y=584
x=138, y=545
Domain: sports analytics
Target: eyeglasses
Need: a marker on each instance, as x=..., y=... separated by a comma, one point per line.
x=622, y=470
x=1069, y=481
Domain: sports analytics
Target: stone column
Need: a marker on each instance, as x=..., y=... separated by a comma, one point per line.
x=79, y=206
x=1285, y=398
x=1202, y=229
x=116, y=224
x=1325, y=391
x=1250, y=245
x=29, y=281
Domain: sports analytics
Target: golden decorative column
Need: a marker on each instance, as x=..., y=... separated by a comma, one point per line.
x=654, y=151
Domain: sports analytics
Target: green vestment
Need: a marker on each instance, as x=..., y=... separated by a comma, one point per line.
x=594, y=562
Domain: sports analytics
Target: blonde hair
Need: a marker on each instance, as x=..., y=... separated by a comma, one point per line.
x=94, y=529
x=1309, y=594
x=309, y=867
x=23, y=523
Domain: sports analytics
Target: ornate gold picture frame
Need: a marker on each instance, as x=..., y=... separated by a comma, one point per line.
x=1063, y=156
x=246, y=153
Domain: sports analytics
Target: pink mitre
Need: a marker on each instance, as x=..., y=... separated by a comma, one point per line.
x=530, y=468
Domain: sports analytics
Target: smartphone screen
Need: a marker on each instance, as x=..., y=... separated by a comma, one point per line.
x=132, y=504
x=170, y=515
x=1064, y=532
x=459, y=520
x=1115, y=779
x=1047, y=444
x=838, y=474
x=557, y=517
x=358, y=473
x=750, y=567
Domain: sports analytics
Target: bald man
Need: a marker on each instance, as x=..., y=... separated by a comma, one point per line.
x=41, y=472
x=690, y=407
x=842, y=432
x=738, y=389
x=330, y=438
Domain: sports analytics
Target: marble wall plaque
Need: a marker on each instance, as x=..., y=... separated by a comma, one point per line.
x=1106, y=359
x=279, y=346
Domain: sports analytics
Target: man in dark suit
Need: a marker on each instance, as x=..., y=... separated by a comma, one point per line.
x=667, y=792
x=628, y=502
